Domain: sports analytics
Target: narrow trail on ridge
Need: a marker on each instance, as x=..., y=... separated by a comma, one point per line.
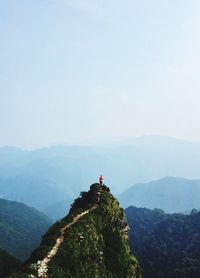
x=43, y=265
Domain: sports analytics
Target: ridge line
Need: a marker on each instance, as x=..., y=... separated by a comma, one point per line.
x=43, y=264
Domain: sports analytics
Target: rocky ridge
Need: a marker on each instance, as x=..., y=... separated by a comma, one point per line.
x=92, y=241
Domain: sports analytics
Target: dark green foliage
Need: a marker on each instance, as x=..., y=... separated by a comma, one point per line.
x=8, y=264
x=87, y=198
x=103, y=250
x=167, y=245
x=21, y=228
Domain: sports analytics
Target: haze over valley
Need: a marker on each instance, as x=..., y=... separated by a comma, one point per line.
x=99, y=139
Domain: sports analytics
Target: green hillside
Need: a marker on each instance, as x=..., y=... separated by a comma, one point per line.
x=167, y=245
x=21, y=228
x=92, y=241
x=8, y=264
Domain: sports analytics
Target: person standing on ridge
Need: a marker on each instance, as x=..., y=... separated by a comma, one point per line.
x=101, y=180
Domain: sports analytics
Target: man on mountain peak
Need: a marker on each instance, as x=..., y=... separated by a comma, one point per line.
x=101, y=180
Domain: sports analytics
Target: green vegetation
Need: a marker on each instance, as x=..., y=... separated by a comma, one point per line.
x=95, y=246
x=167, y=245
x=8, y=264
x=21, y=228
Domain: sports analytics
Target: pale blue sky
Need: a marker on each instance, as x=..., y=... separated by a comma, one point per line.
x=73, y=70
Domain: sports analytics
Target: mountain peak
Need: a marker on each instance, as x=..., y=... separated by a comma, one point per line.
x=92, y=241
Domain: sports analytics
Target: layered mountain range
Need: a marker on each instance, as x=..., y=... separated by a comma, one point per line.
x=46, y=177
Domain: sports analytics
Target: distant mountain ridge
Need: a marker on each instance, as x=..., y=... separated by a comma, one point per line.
x=58, y=210
x=169, y=194
x=64, y=171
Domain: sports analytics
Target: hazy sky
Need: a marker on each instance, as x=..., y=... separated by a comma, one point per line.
x=77, y=69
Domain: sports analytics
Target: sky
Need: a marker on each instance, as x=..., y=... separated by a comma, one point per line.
x=73, y=70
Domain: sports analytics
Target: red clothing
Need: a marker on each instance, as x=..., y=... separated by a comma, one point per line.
x=101, y=179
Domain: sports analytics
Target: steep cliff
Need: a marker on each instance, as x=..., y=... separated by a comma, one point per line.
x=92, y=241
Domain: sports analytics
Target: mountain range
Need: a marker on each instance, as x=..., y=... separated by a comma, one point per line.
x=169, y=194
x=46, y=177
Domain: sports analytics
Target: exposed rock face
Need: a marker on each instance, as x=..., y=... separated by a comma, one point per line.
x=92, y=241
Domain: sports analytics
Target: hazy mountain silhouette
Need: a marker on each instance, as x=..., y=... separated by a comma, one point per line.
x=169, y=193
x=64, y=171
